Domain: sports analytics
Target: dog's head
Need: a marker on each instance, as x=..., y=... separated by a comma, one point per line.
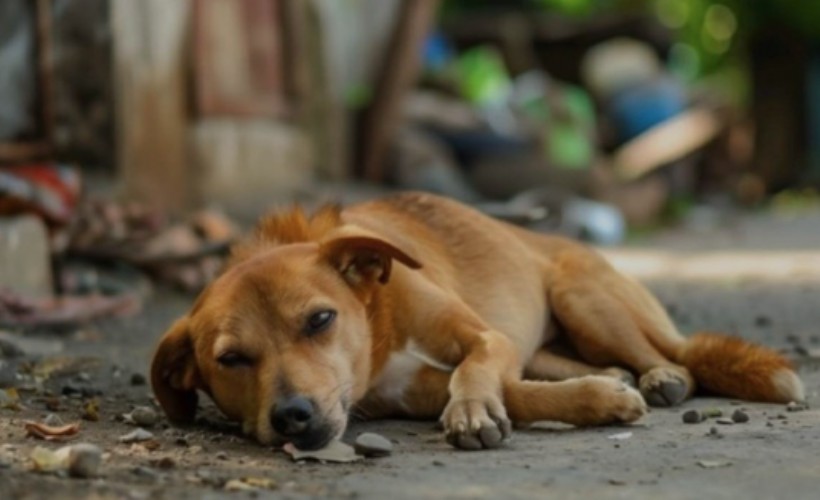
x=281, y=341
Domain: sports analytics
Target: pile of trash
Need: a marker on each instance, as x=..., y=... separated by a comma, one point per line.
x=66, y=258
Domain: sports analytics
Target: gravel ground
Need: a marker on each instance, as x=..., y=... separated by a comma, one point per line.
x=773, y=455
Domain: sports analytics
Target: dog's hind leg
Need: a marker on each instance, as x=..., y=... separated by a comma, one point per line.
x=609, y=324
x=584, y=401
x=547, y=365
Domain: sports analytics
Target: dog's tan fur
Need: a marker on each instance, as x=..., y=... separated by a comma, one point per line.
x=441, y=312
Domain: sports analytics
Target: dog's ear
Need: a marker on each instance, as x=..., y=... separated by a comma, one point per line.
x=364, y=258
x=174, y=373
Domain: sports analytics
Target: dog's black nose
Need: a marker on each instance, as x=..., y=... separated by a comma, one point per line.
x=293, y=416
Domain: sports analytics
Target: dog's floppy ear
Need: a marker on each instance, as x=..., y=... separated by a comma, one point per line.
x=364, y=258
x=174, y=373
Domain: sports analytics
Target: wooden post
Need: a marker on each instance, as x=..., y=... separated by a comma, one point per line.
x=150, y=39
x=398, y=74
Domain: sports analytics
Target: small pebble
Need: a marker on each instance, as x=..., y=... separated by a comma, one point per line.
x=145, y=472
x=221, y=455
x=693, y=417
x=725, y=421
x=740, y=417
x=370, y=444
x=144, y=416
x=795, y=406
x=136, y=436
x=53, y=420
x=138, y=379
x=84, y=460
x=763, y=321
x=714, y=432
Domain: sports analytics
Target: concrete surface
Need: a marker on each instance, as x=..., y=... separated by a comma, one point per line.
x=774, y=455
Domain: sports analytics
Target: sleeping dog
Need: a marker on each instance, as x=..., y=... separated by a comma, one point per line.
x=418, y=306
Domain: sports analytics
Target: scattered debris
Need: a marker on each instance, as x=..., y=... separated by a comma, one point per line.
x=79, y=460
x=51, y=433
x=714, y=432
x=145, y=472
x=740, y=417
x=763, y=321
x=712, y=413
x=63, y=366
x=141, y=416
x=53, y=420
x=336, y=451
x=91, y=410
x=164, y=463
x=795, y=406
x=138, y=379
x=693, y=417
x=714, y=464
x=620, y=436
x=251, y=484
x=617, y=482
x=237, y=485
x=136, y=436
x=10, y=399
x=725, y=421
x=370, y=444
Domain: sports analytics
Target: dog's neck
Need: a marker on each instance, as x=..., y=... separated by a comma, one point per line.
x=385, y=337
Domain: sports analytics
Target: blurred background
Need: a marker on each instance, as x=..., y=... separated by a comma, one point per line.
x=140, y=138
x=145, y=135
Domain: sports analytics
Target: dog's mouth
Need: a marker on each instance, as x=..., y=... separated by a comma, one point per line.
x=313, y=440
x=318, y=434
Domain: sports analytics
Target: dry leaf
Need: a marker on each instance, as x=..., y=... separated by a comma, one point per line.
x=336, y=451
x=51, y=433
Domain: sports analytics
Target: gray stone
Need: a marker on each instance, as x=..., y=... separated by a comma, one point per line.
x=370, y=444
x=693, y=417
x=740, y=417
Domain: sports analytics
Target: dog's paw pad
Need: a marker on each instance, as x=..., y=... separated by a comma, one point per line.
x=663, y=388
x=476, y=425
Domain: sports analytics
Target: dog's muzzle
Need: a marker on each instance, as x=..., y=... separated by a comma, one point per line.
x=298, y=420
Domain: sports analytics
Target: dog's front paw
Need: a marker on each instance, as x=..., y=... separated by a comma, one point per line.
x=474, y=424
x=607, y=401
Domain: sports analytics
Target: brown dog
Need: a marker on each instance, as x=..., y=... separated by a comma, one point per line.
x=421, y=307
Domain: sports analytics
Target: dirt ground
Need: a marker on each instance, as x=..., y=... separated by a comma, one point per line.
x=775, y=454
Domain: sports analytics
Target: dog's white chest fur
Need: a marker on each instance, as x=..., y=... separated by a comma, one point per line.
x=400, y=371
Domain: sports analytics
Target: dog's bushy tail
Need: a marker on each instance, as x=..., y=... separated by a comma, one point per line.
x=729, y=366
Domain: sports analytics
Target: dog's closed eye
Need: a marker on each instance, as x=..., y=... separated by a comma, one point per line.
x=319, y=321
x=233, y=359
